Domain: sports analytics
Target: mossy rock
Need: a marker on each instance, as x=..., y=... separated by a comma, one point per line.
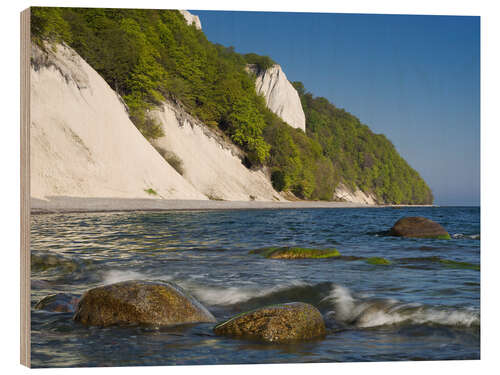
x=295, y=253
x=419, y=227
x=378, y=261
x=60, y=302
x=281, y=323
x=140, y=302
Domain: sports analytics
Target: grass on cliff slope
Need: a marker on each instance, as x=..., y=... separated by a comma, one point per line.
x=148, y=56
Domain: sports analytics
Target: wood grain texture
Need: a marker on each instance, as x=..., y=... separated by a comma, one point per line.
x=25, y=189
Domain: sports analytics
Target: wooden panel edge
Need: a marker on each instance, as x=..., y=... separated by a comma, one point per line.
x=25, y=350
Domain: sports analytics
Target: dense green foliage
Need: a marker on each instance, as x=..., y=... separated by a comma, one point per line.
x=48, y=23
x=362, y=158
x=148, y=56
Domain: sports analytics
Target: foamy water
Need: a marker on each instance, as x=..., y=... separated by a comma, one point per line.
x=366, y=313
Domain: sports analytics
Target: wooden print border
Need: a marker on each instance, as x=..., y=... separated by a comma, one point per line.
x=25, y=189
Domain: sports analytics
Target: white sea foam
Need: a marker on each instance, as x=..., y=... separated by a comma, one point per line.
x=212, y=295
x=470, y=236
x=366, y=313
x=116, y=276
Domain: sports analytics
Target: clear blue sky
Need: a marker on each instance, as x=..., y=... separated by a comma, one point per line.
x=413, y=78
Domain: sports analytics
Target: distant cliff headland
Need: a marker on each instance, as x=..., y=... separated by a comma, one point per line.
x=131, y=103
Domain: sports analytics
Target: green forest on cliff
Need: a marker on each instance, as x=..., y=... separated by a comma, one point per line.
x=149, y=56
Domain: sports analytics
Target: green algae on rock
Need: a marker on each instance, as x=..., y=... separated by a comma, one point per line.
x=418, y=227
x=295, y=253
x=281, y=323
x=378, y=261
x=140, y=302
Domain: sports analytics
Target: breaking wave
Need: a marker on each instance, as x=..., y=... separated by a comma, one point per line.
x=372, y=312
x=250, y=296
x=337, y=303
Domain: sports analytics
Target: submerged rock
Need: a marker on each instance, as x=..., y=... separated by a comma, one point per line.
x=295, y=253
x=45, y=261
x=349, y=258
x=277, y=323
x=378, y=261
x=39, y=284
x=60, y=302
x=418, y=227
x=462, y=265
x=140, y=302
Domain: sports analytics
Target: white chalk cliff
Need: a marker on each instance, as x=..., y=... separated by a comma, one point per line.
x=212, y=164
x=281, y=97
x=83, y=143
x=191, y=18
x=345, y=194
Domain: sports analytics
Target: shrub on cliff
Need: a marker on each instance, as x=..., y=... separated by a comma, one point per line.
x=172, y=159
x=262, y=62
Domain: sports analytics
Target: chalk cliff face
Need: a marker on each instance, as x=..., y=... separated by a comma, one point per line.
x=191, y=18
x=345, y=194
x=281, y=97
x=82, y=142
x=210, y=163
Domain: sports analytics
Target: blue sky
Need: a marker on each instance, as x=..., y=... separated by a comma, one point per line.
x=413, y=78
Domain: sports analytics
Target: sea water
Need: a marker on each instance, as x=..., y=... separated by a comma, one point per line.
x=422, y=306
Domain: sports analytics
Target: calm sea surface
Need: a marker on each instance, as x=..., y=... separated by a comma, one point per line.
x=423, y=306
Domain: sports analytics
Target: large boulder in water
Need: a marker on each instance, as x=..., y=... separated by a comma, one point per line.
x=277, y=323
x=418, y=227
x=140, y=302
x=60, y=302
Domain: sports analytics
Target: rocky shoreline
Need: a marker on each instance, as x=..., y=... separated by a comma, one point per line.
x=76, y=204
